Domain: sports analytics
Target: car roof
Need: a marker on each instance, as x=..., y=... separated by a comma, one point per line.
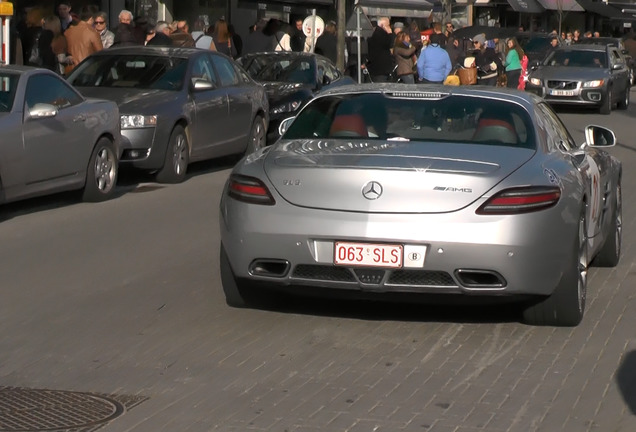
x=15, y=68
x=526, y=99
x=583, y=47
x=151, y=50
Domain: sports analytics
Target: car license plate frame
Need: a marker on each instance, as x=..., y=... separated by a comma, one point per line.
x=381, y=255
x=562, y=92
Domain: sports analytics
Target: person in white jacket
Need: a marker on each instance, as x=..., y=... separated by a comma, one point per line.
x=283, y=38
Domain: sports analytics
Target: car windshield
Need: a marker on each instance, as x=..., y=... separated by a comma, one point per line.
x=281, y=68
x=536, y=44
x=414, y=116
x=8, y=86
x=137, y=71
x=577, y=58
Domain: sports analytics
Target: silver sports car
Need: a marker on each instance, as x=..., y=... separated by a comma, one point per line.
x=463, y=191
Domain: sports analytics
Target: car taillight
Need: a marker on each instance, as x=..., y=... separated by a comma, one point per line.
x=250, y=190
x=521, y=200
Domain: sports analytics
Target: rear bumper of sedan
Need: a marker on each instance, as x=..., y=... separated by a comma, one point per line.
x=578, y=96
x=488, y=255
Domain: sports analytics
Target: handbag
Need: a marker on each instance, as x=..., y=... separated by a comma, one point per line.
x=467, y=76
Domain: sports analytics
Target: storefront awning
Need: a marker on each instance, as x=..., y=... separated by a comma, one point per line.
x=526, y=6
x=603, y=9
x=561, y=5
x=396, y=8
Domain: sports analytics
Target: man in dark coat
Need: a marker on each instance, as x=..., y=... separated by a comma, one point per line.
x=327, y=44
x=297, y=39
x=263, y=38
x=379, y=48
x=124, y=33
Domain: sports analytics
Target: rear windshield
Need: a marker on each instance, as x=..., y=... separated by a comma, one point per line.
x=414, y=117
x=8, y=86
x=577, y=58
x=136, y=71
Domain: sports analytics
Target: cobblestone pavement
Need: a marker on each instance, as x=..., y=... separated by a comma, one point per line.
x=131, y=304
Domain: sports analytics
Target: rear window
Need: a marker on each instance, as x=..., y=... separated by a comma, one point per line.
x=8, y=86
x=416, y=117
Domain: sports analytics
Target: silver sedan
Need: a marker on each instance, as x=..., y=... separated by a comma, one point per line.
x=53, y=139
x=454, y=191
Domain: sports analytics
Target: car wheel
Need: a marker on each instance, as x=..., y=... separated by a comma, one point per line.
x=101, y=174
x=237, y=293
x=177, y=158
x=606, y=105
x=566, y=305
x=258, y=135
x=624, y=102
x=610, y=253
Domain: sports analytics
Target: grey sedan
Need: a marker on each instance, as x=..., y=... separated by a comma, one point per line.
x=381, y=191
x=53, y=139
x=177, y=105
x=587, y=75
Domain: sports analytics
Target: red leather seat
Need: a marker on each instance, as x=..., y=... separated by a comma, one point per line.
x=348, y=125
x=490, y=129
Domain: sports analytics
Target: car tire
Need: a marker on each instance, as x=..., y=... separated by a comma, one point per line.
x=566, y=305
x=101, y=173
x=624, y=102
x=610, y=253
x=177, y=158
x=258, y=135
x=606, y=104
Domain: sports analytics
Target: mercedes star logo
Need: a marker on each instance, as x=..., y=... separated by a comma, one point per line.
x=372, y=190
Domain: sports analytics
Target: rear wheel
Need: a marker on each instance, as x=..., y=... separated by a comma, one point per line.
x=624, y=102
x=610, y=253
x=177, y=158
x=258, y=135
x=566, y=305
x=606, y=105
x=101, y=175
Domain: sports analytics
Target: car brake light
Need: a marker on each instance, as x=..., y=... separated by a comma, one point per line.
x=250, y=190
x=521, y=200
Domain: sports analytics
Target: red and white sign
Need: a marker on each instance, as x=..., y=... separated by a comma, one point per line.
x=309, y=24
x=368, y=254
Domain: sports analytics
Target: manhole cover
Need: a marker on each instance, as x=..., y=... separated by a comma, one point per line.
x=56, y=410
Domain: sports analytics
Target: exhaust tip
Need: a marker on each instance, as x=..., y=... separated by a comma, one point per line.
x=269, y=268
x=480, y=279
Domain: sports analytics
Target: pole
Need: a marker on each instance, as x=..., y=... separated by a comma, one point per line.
x=313, y=30
x=359, y=45
x=340, y=61
x=5, y=41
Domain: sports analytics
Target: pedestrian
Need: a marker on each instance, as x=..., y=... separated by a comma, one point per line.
x=107, y=36
x=221, y=39
x=262, y=38
x=297, y=41
x=327, y=44
x=58, y=43
x=64, y=12
x=380, y=64
x=434, y=64
x=487, y=61
x=124, y=34
x=416, y=37
x=448, y=32
x=283, y=37
x=160, y=37
x=30, y=36
x=512, y=64
x=82, y=39
x=404, y=53
x=181, y=37
x=455, y=52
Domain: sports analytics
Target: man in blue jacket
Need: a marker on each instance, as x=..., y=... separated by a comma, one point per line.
x=434, y=64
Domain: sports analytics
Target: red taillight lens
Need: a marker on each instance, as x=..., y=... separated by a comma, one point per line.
x=521, y=200
x=250, y=190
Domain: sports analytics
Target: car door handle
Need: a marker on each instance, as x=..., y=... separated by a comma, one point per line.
x=79, y=118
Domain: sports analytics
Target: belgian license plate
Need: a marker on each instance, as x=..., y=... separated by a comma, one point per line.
x=562, y=92
x=368, y=254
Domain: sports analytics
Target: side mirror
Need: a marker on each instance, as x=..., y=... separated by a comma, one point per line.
x=284, y=125
x=326, y=80
x=618, y=66
x=599, y=136
x=199, y=84
x=42, y=110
